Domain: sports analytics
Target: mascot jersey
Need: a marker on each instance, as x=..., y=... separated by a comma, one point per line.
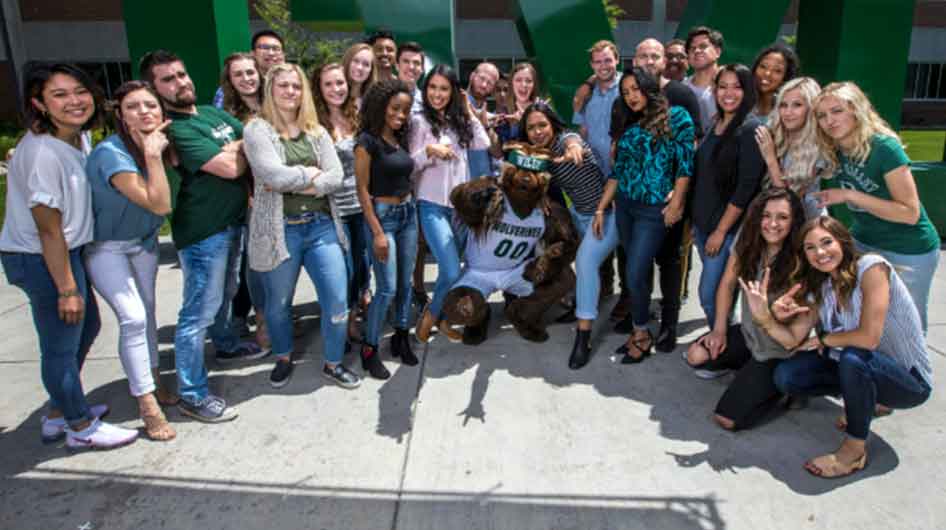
x=508, y=243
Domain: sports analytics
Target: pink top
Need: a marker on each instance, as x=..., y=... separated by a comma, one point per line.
x=434, y=178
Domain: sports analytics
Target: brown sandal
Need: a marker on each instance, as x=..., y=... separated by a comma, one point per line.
x=157, y=427
x=830, y=466
x=165, y=397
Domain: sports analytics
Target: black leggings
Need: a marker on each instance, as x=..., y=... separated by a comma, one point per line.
x=752, y=394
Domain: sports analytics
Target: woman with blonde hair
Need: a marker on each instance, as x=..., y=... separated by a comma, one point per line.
x=360, y=73
x=874, y=179
x=295, y=220
x=789, y=143
x=524, y=91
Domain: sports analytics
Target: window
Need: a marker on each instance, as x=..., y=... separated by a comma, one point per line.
x=925, y=81
x=109, y=76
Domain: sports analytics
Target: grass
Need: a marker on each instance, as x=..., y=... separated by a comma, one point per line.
x=924, y=146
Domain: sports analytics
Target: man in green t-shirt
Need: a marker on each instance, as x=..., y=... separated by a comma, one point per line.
x=207, y=228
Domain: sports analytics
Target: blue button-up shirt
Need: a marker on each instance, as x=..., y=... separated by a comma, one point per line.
x=596, y=117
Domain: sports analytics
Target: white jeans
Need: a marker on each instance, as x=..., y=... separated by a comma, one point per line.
x=124, y=274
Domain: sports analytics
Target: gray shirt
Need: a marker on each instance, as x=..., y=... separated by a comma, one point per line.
x=704, y=95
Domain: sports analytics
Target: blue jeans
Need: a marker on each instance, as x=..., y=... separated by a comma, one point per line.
x=591, y=253
x=642, y=230
x=313, y=245
x=356, y=260
x=712, y=273
x=62, y=347
x=863, y=378
x=211, y=278
x=916, y=271
x=446, y=239
x=392, y=277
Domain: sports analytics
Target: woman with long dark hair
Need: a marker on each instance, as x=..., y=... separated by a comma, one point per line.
x=242, y=86
x=574, y=171
x=653, y=160
x=48, y=223
x=765, y=242
x=383, y=168
x=440, y=140
x=130, y=197
x=338, y=113
x=727, y=173
x=868, y=345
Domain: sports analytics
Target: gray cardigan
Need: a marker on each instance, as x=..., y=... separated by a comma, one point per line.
x=267, y=158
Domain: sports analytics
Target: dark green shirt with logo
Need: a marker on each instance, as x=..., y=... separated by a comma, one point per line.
x=886, y=154
x=205, y=204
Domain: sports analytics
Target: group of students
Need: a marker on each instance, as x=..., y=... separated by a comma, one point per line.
x=347, y=173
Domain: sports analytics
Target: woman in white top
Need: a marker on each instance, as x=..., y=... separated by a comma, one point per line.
x=48, y=222
x=868, y=347
x=441, y=136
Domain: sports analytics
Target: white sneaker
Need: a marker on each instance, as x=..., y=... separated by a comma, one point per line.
x=99, y=435
x=55, y=429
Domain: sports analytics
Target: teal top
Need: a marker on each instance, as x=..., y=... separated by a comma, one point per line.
x=645, y=167
x=886, y=154
x=116, y=217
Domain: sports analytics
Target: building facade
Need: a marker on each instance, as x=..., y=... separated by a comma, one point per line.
x=92, y=34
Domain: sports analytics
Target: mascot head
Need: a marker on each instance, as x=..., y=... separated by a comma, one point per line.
x=525, y=176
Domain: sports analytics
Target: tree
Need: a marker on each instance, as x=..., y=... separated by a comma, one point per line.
x=613, y=12
x=303, y=46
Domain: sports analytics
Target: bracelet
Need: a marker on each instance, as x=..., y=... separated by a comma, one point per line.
x=599, y=212
x=822, y=333
x=70, y=293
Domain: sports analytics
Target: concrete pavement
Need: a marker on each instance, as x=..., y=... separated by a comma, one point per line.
x=502, y=436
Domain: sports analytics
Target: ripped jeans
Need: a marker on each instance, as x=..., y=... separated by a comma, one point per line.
x=312, y=244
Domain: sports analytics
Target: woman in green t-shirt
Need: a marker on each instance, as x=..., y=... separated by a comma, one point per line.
x=874, y=179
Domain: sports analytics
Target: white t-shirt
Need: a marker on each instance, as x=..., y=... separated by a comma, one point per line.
x=47, y=171
x=508, y=243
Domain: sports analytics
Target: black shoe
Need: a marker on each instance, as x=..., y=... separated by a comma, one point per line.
x=645, y=353
x=420, y=299
x=567, y=317
x=281, y=374
x=245, y=351
x=581, y=351
x=371, y=362
x=341, y=376
x=625, y=326
x=401, y=347
x=667, y=339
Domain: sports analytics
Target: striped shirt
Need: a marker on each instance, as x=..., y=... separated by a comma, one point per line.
x=346, y=198
x=902, y=337
x=584, y=184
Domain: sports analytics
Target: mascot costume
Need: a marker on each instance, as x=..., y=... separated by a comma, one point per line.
x=519, y=243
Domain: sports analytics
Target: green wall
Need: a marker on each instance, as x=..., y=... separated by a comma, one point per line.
x=210, y=31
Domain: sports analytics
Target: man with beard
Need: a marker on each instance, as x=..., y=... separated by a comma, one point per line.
x=482, y=82
x=385, y=49
x=207, y=228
